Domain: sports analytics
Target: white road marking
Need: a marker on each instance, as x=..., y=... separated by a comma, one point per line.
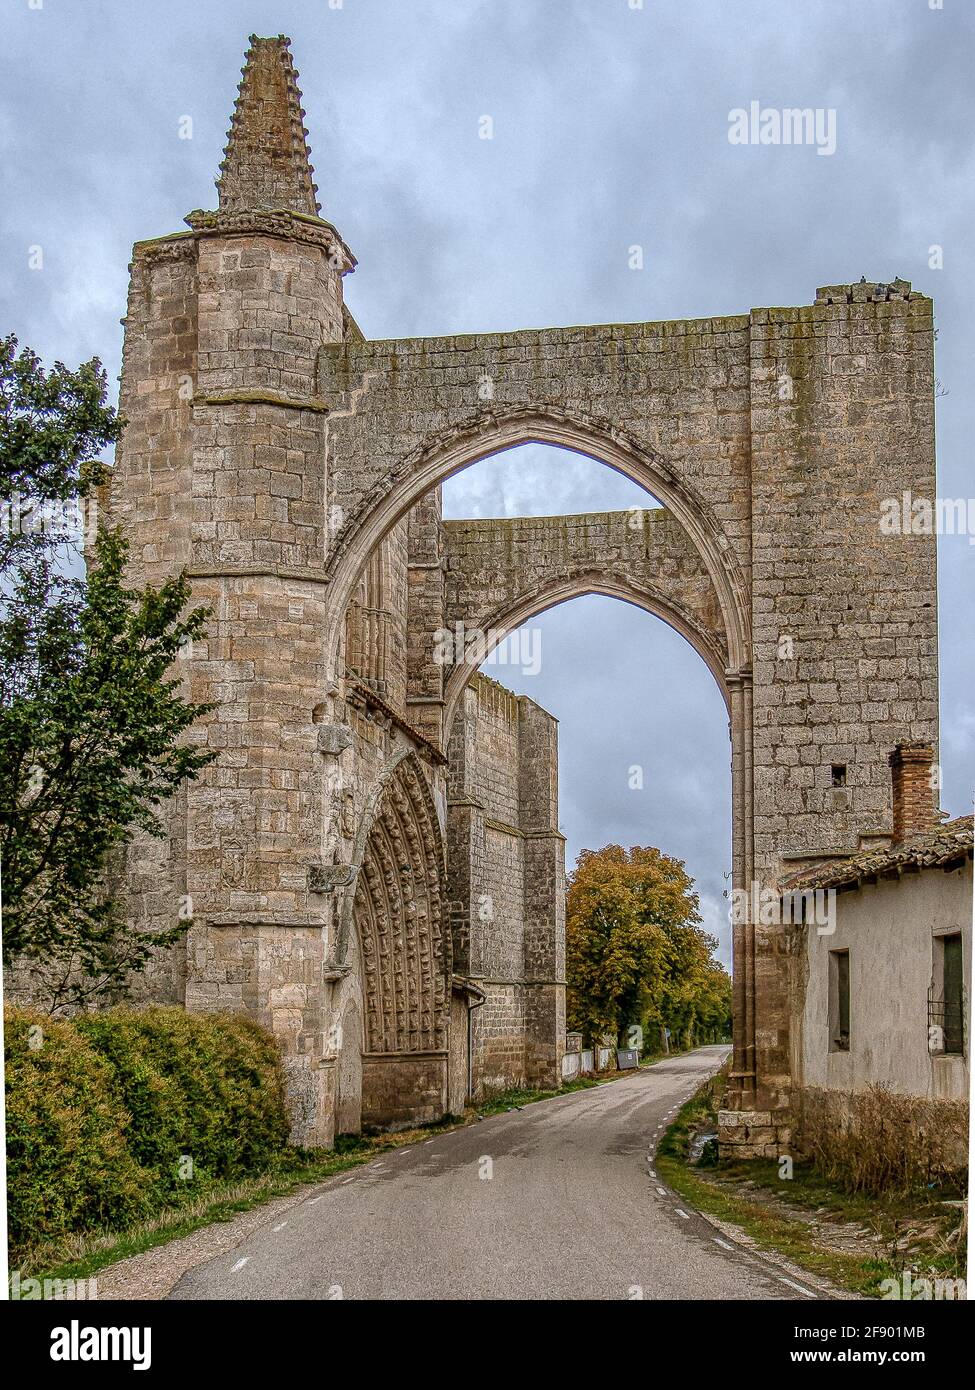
x=280, y=1226
x=662, y=1191
x=240, y=1264
x=725, y=1245
x=682, y=1213
x=312, y=1200
x=345, y=1180
x=798, y=1287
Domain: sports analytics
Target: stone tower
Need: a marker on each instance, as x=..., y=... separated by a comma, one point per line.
x=222, y=471
x=311, y=853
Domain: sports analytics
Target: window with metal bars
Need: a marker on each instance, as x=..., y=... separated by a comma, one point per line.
x=946, y=998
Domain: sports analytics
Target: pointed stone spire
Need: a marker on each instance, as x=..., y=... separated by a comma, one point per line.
x=266, y=163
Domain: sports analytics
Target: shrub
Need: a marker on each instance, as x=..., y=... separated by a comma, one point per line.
x=204, y=1092
x=69, y=1166
x=112, y=1116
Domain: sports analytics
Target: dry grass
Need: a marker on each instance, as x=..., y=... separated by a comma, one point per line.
x=834, y=1225
x=878, y=1141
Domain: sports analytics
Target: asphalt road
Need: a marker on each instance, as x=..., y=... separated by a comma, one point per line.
x=556, y=1201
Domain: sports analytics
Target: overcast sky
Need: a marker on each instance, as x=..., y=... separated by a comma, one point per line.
x=610, y=130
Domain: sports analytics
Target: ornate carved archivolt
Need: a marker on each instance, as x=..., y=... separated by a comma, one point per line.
x=399, y=920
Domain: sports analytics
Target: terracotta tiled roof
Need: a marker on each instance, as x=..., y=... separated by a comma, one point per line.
x=949, y=842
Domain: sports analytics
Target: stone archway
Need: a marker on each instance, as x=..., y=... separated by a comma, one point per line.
x=303, y=446
x=492, y=432
x=404, y=953
x=724, y=643
x=505, y=620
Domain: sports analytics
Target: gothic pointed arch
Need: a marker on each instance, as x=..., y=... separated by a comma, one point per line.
x=398, y=914
x=484, y=433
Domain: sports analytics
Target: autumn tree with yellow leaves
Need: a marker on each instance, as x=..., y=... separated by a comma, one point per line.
x=636, y=952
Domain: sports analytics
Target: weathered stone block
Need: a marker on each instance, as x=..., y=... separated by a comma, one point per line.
x=334, y=738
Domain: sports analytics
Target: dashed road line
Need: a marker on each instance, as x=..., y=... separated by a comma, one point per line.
x=240, y=1264
x=798, y=1287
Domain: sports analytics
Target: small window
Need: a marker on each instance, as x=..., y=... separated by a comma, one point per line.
x=839, y=1001
x=838, y=774
x=946, y=1012
x=954, y=990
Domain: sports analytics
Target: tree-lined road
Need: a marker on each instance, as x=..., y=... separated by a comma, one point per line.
x=556, y=1201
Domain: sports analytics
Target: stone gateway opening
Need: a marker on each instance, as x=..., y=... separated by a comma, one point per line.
x=404, y=954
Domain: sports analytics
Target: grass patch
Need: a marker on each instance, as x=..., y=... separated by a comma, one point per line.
x=854, y=1241
x=81, y=1256
x=517, y=1097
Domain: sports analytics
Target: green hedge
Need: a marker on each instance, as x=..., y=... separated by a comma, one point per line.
x=112, y=1116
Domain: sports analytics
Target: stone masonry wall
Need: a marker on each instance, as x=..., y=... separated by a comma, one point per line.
x=680, y=388
x=503, y=569
x=151, y=498
x=506, y=883
x=222, y=471
x=844, y=617
x=772, y=438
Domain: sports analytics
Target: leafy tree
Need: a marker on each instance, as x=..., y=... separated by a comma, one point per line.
x=636, y=952
x=53, y=428
x=91, y=718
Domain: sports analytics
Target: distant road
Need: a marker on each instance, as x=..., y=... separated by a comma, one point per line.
x=570, y=1211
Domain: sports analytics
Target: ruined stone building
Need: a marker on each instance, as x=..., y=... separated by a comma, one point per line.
x=357, y=855
x=506, y=884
